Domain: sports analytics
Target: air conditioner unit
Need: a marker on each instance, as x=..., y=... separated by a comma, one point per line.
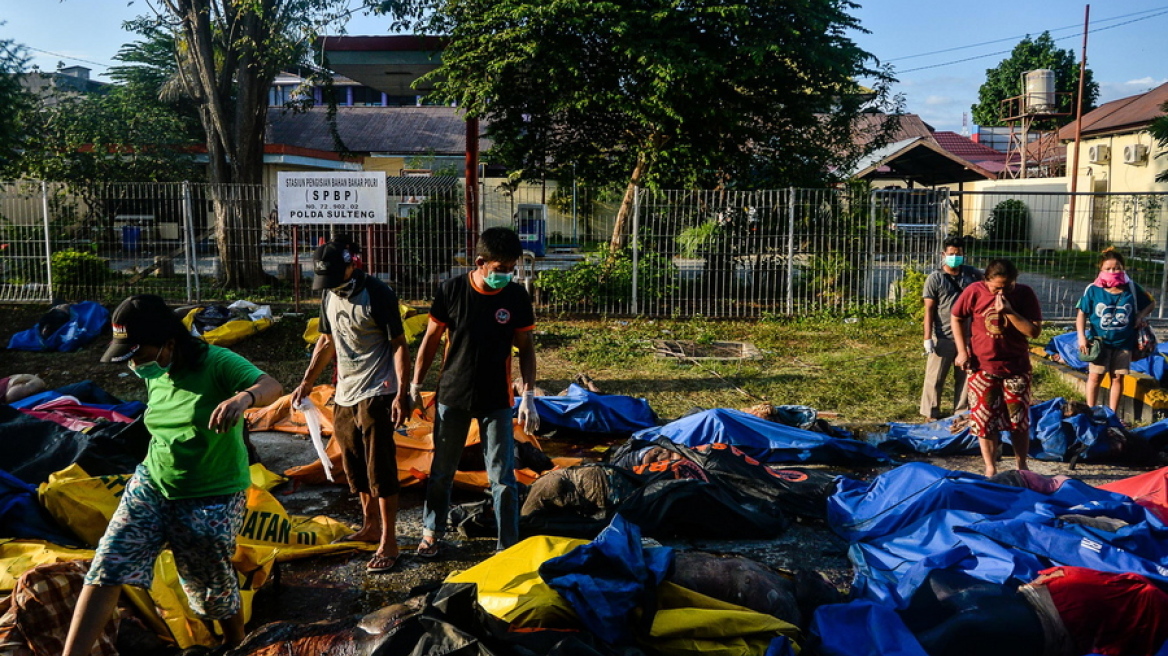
x=1135, y=154
x=1099, y=154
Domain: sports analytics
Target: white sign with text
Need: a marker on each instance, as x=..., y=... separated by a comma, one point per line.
x=331, y=197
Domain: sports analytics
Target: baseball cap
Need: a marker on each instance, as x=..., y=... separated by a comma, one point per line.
x=329, y=263
x=141, y=319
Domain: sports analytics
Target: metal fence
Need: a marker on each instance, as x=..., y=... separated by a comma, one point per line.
x=1033, y=228
x=685, y=253
x=745, y=254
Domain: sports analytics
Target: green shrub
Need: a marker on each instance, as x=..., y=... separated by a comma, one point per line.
x=696, y=240
x=596, y=282
x=912, y=286
x=1008, y=225
x=72, y=267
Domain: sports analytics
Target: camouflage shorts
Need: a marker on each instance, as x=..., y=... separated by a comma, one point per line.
x=200, y=532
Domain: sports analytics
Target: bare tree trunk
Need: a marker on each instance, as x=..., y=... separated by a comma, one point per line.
x=644, y=157
x=231, y=87
x=626, y=208
x=240, y=227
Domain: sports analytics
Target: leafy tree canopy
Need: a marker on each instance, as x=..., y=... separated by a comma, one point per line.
x=1005, y=80
x=13, y=99
x=228, y=52
x=149, y=71
x=703, y=92
x=126, y=133
x=110, y=137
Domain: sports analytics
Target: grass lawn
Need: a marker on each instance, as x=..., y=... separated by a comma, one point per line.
x=868, y=371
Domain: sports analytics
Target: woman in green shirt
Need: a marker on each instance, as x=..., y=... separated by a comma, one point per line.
x=189, y=493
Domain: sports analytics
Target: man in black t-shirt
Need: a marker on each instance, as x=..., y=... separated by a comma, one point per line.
x=483, y=314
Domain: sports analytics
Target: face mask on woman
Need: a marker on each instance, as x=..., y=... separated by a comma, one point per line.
x=1111, y=279
x=149, y=370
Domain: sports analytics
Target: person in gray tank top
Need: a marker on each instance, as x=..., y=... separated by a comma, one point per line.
x=360, y=324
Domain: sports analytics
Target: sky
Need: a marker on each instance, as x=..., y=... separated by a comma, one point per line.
x=939, y=49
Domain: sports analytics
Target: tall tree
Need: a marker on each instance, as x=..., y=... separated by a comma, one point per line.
x=89, y=140
x=1005, y=80
x=148, y=72
x=114, y=136
x=228, y=54
x=656, y=91
x=13, y=99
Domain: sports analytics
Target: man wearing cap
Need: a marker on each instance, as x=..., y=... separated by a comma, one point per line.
x=190, y=491
x=360, y=324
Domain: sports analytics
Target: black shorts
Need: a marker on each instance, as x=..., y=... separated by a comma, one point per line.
x=366, y=434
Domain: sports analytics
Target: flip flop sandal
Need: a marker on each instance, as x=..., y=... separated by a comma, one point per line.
x=429, y=547
x=381, y=563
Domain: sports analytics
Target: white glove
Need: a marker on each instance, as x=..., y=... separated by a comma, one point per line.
x=416, y=398
x=929, y=346
x=528, y=417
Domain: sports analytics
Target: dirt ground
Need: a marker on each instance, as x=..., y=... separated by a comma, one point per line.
x=330, y=588
x=336, y=586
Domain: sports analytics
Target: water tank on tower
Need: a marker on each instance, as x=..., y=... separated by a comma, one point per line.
x=1040, y=92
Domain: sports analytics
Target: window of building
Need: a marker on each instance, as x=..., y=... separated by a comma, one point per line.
x=367, y=97
x=279, y=95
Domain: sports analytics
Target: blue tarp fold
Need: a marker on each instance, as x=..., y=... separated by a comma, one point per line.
x=606, y=579
x=918, y=517
x=1066, y=346
x=934, y=438
x=764, y=440
x=88, y=393
x=22, y=516
x=86, y=321
x=1052, y=436
x=862, y=628
x=589, y=412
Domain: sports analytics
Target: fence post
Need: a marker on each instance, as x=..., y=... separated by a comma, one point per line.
x=636, y=243
x=791, y=251
x=189, y=245
x=1163, y=270
x=186, y=195
x=1136, y=214
x=883, y=298
x=48, y=239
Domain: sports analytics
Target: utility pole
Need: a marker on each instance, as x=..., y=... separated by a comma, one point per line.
x=1074, y=172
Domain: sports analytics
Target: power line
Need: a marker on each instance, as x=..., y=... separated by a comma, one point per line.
x=1021, y=36
x=78, y=59
x=1002, y=52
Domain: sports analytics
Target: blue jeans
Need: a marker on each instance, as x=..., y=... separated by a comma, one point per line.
x=450, y=430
